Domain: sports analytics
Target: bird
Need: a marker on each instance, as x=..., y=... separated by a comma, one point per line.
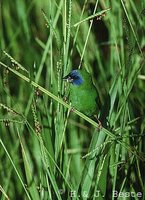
x=83, y=93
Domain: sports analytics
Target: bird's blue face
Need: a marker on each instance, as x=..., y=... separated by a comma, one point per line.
x=74, y=77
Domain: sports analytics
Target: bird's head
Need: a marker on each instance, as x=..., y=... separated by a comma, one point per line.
x=74, y=77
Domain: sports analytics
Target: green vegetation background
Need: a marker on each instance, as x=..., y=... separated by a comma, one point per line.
x=46, y=151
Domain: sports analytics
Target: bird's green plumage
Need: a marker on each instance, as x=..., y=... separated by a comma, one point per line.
x=83, y=97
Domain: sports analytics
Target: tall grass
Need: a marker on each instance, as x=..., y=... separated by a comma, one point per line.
x=47, y=151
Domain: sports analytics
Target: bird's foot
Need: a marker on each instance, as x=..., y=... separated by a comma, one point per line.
x=72, y=109
x=99, y=123
x=65, y=99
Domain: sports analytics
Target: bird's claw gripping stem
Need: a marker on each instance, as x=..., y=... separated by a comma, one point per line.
x=99, y=123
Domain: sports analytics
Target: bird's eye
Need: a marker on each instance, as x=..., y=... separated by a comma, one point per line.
x=70, y=79
x=77, y=80
x=74, y=77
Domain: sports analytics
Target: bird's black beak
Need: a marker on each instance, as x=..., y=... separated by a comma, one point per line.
x=68, y=78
